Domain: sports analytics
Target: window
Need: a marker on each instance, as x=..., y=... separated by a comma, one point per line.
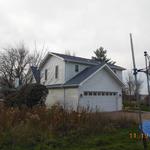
x=114, y=93
x=56, y=72
x=85, y=93
x=94, y=93
x=90, y=93
x=106, y=93
x=103, y=93
x=99, y=93
x=76, y=68
x=45, y=74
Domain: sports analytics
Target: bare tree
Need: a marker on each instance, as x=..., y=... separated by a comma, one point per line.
x=131, y=85
x=15, y=62
x=36, y=59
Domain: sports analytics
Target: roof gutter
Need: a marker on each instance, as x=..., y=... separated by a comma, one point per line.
x=62, y=86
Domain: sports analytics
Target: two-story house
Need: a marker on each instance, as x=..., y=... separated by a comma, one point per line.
x=76, y=82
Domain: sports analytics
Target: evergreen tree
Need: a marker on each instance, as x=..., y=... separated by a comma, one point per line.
x=101, y=55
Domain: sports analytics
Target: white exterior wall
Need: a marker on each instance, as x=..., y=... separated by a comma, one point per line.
x=119, y=74
x=70, y=70
x=55, y=96
x=67, y=97
x=71, y=98
x=101, y=81
x=50, y=66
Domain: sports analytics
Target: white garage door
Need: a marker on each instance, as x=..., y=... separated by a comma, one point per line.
x=99, y=100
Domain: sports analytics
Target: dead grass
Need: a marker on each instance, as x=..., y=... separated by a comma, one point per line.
x=29, y=127
x=58, y=120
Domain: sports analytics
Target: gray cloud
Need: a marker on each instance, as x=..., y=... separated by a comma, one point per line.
x=80, y=26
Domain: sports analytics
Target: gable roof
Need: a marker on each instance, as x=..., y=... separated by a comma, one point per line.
x=83, y=75
x=84, y=60
x=36, y=73
x=79, y=60
x=89, y=72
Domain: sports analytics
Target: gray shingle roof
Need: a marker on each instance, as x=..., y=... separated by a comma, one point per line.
x=93, y=66
x=83, y=75
x=77, y=59
x=75, y=81
x=85, y=61
x=36, y=73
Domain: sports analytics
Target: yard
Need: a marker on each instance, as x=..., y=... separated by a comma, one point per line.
x=49, y=129
x=117, y=140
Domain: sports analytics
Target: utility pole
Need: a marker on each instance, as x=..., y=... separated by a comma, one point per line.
x=135, y=72
x=148, y=88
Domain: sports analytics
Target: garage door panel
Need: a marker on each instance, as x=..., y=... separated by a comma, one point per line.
x=101, y=103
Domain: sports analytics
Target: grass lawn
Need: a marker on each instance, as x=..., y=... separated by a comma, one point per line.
x=117, y=140
x=133, y=106
x=145, y=108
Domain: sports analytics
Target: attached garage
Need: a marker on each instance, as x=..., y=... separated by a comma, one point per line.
x=101, y=91
x=100, y=100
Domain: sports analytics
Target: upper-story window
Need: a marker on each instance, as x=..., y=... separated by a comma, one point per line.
x=76, y=68
x=45, y=74
x=56, y=72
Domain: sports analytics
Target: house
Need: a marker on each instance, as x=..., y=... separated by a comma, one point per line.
x=77, y=82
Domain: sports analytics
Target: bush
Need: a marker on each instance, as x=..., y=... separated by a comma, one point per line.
x=28, y=95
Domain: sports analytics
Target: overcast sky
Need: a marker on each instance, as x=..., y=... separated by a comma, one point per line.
x=80, y=26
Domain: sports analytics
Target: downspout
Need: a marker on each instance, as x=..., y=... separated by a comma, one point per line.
x=78, y=104
x=64, y=87
x=64, y=98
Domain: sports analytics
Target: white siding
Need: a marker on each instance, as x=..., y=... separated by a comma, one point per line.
x=101, y=81
x=50, y=66
x=72, y=97
x=70, y=70
x=67, y=97
x=119, y=74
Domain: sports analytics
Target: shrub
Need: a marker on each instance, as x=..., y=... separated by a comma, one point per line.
x=28, y=95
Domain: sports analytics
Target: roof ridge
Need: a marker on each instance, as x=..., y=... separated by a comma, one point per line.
x=71, y=56
x=87, y=60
